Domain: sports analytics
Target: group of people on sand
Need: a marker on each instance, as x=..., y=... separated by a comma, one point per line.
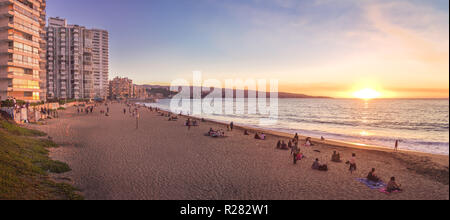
x=189, y=123
x=215, y=133
x=87, y=110
x=392, y=185
x=260, y=136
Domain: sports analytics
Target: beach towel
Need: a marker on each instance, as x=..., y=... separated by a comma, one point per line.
x=371, y=184
x=384, y=190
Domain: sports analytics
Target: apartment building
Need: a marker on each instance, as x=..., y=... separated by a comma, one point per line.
x=100, y=59
x=78, y=61
x=22, y=50
x=69, y=61
x=140, y=92
x=121, y=88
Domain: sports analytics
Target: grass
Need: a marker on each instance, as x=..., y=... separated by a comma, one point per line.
x=19, y=131
x=25, y=166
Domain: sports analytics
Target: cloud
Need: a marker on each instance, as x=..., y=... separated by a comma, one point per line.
x=412, y=42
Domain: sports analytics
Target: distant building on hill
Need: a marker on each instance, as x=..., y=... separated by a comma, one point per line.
x=121, y=88
x=140, y=92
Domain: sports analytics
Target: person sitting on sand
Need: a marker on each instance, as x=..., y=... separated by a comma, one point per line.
x=336, y=157
x=263, y=136
x=373, y=177
x=284, y=146
x=322, y=138
x=246, y=133
x=308, y=142
x=316, y=165
x=210, y=131
x=393, y=186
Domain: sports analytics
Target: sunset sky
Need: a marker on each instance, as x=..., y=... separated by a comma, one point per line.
x=317, y=47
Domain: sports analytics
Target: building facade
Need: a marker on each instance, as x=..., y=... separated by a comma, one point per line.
x=69, y=61
x=78, y=61
x=100, y=59
x=121, y=88
x=22, y=50
x=140, y=92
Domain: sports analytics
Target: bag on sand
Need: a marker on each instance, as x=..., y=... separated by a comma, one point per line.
x=323, y=168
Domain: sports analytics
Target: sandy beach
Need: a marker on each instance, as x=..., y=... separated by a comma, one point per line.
x=163, y=160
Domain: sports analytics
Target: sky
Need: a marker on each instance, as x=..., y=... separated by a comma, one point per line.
x=317, y=47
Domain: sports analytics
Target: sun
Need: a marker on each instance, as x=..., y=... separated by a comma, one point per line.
x=367, y=94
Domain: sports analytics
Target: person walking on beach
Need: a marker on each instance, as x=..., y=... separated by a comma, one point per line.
x=396, y=146
x=353, y=163
x=295, y=151
x=296, y=138
x=231, y=126
x=189, y=124
x=137, y=120
x=124, y=111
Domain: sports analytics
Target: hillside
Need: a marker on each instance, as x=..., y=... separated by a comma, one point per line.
x=25, y=166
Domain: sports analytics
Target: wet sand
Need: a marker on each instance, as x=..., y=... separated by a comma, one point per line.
x=163, y=160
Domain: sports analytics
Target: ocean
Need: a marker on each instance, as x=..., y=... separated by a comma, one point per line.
x=420, y=124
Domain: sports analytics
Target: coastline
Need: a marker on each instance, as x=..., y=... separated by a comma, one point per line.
x=401, y=154
x=333, y=142
x=163, y=160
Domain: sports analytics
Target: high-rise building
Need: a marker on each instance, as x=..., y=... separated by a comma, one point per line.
x=100, y=59
x=69, y=61
x=22, y=50
x=78, y=61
